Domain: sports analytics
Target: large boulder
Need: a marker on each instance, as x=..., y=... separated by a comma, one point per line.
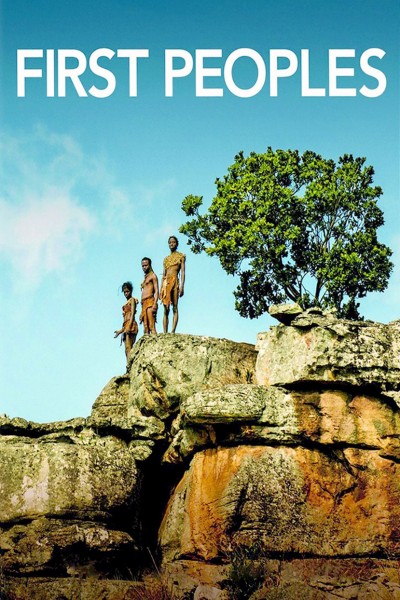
x=110, y=415
x=63, y=547
x=111, y=405
x=282, y=499
x=253, y=414
x=166, y=369
x=79, y=475
x=319, y=348
x=68, y=499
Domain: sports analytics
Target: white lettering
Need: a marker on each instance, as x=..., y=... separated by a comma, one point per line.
x=171, y=73
x=132, y=56
x=335, y=72
x=50, y=73
x=102, y=72
x=261, y=72
x=305, y=77
x=372, y=72
x=59, y=66
x=23, y=72
x=275, y=73
x=72, y=73
x=202, y=71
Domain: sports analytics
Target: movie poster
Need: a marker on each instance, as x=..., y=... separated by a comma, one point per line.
x=112, y=113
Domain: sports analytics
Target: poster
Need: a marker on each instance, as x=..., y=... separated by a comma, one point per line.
x=112, y=112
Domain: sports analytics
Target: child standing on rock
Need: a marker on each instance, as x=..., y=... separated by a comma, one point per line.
x=129, y=327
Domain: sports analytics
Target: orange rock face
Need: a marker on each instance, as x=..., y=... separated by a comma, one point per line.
x=350, y=419
x=282, y=499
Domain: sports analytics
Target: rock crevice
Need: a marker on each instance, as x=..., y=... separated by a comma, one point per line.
x=277, y=464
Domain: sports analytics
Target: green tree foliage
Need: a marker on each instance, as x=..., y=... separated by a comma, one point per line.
x=294, y=228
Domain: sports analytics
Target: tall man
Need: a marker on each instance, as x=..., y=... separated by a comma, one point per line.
x=171, y=288
x=149, y=297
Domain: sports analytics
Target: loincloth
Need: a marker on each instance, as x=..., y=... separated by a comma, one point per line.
x=146, y=304
x=170, y=284
x=134, y=327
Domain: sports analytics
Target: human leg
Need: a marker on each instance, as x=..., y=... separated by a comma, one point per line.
x=175, y=317
x=130, y=339
x=175, y=299
x=151, y=319
x=166, y=318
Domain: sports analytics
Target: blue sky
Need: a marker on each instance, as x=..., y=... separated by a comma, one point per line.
x=89, y=186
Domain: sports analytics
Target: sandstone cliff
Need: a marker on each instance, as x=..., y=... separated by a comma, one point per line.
x=246, y=472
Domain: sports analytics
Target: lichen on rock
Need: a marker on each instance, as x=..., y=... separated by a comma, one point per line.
x=276, y=465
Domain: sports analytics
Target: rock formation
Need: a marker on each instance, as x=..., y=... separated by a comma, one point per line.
x=246, y=472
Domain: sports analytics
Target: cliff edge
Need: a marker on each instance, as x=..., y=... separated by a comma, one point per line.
x=259, y=472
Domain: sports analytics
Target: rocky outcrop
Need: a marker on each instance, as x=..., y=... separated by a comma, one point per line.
x=78, y=474
x=275, y=415
x=322, y=349
x=164, y=374
x=267, y=472
x=286, y=500
x=163, y=371
x=301, y=467
x=64, y=490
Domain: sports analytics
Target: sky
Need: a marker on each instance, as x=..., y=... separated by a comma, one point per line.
x=88, y=185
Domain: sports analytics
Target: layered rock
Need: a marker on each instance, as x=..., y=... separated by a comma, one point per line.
x=284, y=500
x=65, y=474
x=238, y=414
x=64, y=491
x=322, y=349
x=167, y=369
x=272, y=473
x=72, y=502
x=301, y=468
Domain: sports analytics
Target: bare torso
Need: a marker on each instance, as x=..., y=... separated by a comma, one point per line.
x=148, y=286
x=173, y=270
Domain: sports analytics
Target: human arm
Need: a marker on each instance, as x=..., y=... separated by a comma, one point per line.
x=156, y=292
x=182, y=285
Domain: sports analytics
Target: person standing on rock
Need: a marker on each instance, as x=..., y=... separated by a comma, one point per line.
x=173, y=283
x=148, y=316
x=129, y=327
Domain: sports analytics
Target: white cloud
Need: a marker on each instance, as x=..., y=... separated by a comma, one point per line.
x=118, y=210
x=148, y=194
x=42, y=235
x=160, y=233
x=53, y=197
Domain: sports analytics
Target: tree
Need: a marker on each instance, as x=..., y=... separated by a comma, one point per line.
x=294, y=228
